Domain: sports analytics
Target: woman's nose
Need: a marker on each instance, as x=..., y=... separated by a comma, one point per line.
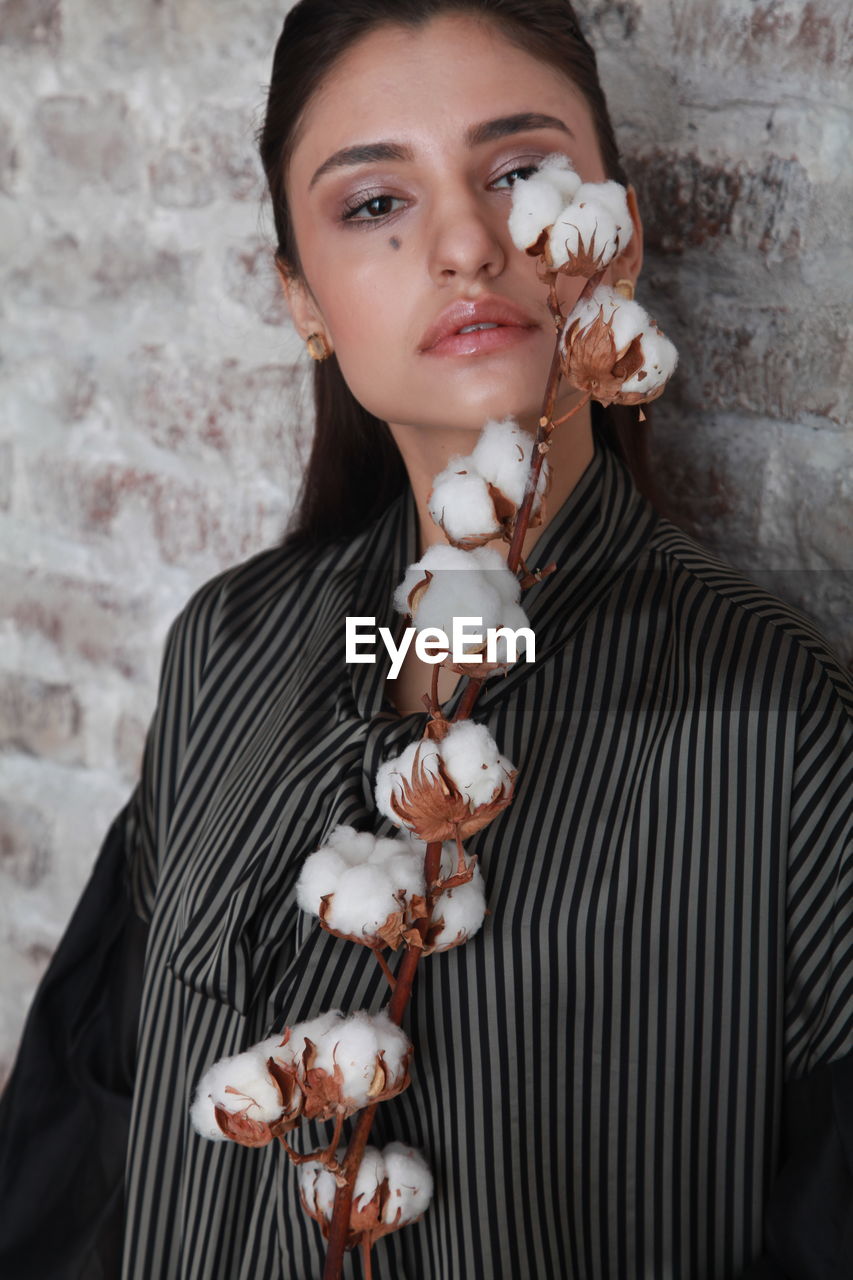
x=467, y=242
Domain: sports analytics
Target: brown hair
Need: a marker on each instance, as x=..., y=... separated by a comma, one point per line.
x=355, y=469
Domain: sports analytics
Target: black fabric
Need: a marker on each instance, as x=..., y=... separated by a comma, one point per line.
x=810, y=1214
x=65, y=1113
x=685, y=751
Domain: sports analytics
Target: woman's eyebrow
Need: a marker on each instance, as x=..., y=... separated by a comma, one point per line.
x=521, y=122
x=488, y=131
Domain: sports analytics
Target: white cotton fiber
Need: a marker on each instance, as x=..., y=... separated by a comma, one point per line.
x=320, y=874
x=362, y=902
x=500, y=578
x=464, y=584
x=584, y=228
x=273, y=1048
x=502, y=457
x=462, y=909
x=354, y=1048
x=361, y=888
x=386, y=849
x=613, y=197
x=410, y=1183
x=472, y=759
x=557, y=169
x=314, y=1029
x=625, y=316
x=537, y=200
x=370, y=1174
x=660, y=357
x=318, y=1186
x=203, y=1116
x=406, y=874
x=392, y=1040
x=352, y=845
x=461, y=504
x=257, y=1093
x=515, y=619
x=536, y=203
x=435, y=558
x=390, y=774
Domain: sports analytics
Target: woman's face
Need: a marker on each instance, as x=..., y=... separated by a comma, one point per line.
x=399, y=189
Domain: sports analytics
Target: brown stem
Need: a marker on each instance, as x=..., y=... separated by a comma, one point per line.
x=385, y=967
x=366, y=1255
x=546, y=426
x=522, y=520
x=469, y=697
x=339, y=1228
x=558, y=422
x=326, y=1156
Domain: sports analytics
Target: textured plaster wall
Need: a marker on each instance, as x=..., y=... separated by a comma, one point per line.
x=153, y=400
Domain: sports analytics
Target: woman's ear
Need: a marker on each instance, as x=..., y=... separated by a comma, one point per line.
x=630, y=262
x=300, y=301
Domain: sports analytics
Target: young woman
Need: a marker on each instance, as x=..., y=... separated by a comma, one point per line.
x=641, y=1066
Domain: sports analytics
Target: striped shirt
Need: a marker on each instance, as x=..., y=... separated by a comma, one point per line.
x=599, y=1073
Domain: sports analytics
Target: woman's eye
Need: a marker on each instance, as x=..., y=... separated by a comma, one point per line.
x=518, y=174
x=373, y=209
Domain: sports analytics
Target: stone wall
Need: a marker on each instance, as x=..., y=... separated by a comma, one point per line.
x=153, y=399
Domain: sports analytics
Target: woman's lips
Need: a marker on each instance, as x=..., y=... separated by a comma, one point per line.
x=482, y=341
x=477, y=327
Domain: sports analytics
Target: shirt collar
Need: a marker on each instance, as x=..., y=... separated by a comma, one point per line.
x=601, y=528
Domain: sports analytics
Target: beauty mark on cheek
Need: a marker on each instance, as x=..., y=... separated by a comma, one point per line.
x=394, y=242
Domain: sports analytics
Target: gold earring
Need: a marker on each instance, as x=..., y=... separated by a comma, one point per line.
x=625, y=288
x=318, y=347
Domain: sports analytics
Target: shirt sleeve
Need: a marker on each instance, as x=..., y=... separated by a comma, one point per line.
x=819, y=906
x=65, y=1112
x=809, y=1212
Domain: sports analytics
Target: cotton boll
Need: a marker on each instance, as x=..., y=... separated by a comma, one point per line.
x=435, y=558
x=256, y=1092
x=318, y=1186
x=515, y=619
x=536, y=203
x=502, y=457
x=627, y=319
x=371, y=1172
x=587, y=228
x=537, y=200
x=320, y=875
x=410, y=1183
x=406, y=874
x=660, y=357
x=386, y=849
x=273, y=1048
x=203, y=1116
x=362, y=902
x=459, y=595
x=390, y=774
x=614, y=198
x=557, y=169
x=472, y=759
x=314, y=1029
x=353, y=1049
x=462, y=909
x=354, y=846
x=501, y=579
x=461, y=504
x=391, y=1041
